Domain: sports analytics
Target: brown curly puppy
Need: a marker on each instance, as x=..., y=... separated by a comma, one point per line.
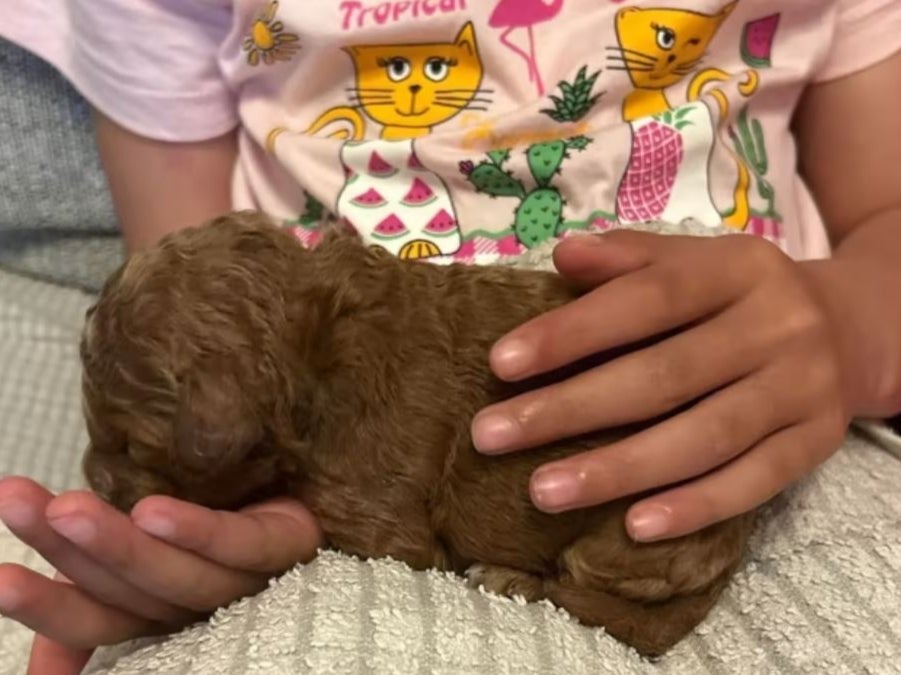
x=230, y=364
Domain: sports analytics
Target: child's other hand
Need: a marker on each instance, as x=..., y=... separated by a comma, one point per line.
x=164, y=567
x=750, y=353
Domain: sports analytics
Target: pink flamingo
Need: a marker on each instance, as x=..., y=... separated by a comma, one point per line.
x=513, y=14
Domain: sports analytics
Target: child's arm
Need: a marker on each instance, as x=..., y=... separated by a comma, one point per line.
x=159, y=187
x=770, y=357
x=849, y=135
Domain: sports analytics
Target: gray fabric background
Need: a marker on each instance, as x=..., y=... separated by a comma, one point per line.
x=56, y=219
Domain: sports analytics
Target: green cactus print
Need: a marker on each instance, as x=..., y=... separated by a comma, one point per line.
x=314, y=213
x=751, y=146
x=545, y=160
x=490, y=178
x=539, y=215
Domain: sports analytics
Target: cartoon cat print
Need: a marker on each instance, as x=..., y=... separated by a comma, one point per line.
x=668, y=171
x=389, y=197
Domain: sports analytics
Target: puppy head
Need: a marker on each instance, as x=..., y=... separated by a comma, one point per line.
x=192, y=372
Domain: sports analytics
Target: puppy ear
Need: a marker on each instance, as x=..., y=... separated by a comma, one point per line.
x=216, y=426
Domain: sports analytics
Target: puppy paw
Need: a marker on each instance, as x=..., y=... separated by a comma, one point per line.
x=475, y=575
x=505, y=581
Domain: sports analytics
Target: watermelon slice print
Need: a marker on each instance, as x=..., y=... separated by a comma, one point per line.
x=441, y=225
x=378, y=167
x=419, y=194
x=414, y=164
x=349, y=175
x=757, y=41
x=369, y=199
x=657, y=153
x=391, y=227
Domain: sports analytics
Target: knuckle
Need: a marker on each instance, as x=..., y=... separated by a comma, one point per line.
x=835, y=422
x=609, y=473
x=205, y=535
x=80, y=502
x=708, y=508
x=263, y=556
x=124, y=556
x=666, y=289
x=197, y=594
x=671, y=375
x=786, y=464
x=538, y=416
x=806, y=322
x=14, y=576
x=696, y=506
x=759, y=252
x=723, y=436
x=824, y=386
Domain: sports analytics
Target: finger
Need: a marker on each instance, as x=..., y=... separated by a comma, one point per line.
x=22, y=507
x=63, y=613
x=685, y=279
x=590, y=261
x=742, y=485
x=647, y=303
x=638, y=386
x=160, y=569
x=48, y=656
x=594, y=260
x=270, y=537
x=709, y=434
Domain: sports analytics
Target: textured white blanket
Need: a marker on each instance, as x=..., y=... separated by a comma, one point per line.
x=821, y=592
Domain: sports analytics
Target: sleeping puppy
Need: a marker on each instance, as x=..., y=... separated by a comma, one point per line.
x=231, y=364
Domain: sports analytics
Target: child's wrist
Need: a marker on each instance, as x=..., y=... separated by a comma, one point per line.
x=866, y=333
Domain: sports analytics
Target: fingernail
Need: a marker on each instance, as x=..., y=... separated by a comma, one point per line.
x=76, y=529
x=556, y=489
x=494, y=433
x=649, y=522
x=9, y=599
x=158, y=526
x=16, y=514
x=512, y=357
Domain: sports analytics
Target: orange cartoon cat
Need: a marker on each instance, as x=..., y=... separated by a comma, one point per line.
x=388, y=196
x=660, y=48
x=407, y=89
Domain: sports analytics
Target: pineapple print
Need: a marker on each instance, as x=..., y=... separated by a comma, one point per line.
x=657, y=153
x=539, y=214
x=577, y=100
x=394, y=202
x=667, y=174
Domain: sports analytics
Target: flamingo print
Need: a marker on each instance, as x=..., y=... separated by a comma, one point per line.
x=513, y=14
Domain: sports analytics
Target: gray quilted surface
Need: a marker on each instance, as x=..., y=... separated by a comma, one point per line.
x=56, y=219
x=41, y=430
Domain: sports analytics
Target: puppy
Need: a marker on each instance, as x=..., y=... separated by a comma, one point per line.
x=231, y=364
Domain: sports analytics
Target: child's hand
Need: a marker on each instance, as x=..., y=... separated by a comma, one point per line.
x=163, y=568
x=751, y=354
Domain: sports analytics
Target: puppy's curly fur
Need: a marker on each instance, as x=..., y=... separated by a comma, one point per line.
x=230, y=364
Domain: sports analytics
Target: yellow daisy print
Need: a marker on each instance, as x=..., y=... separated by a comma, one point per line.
x=267, y=41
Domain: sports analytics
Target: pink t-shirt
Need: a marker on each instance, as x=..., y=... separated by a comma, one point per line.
x=464, y=130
